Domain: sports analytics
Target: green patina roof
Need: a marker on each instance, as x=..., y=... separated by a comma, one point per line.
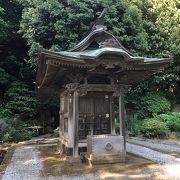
x=93, y=54
x=98, y=43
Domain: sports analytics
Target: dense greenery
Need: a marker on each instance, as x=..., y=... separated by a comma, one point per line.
x=172, y=121
x=161, y=125
x=151, y=104
x=14, y=130
x=145, y=27
x=154, y=128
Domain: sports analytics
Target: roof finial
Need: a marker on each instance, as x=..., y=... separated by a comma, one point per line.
x=102, y=15
x=99, y=22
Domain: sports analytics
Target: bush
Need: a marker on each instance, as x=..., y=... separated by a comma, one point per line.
x=178, y=134
x=154, y=128
x=16, y=135
x=172, y=121
x=152, y=105
x=133, y=125
x=14, y=130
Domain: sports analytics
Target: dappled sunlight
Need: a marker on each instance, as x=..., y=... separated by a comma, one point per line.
x=52, y=158
x=27, y=147
x=54, y=165
x=112, y=175
x=134, y=168
x=107, y=175
x=173, y=170
x=30, y=162
x=51, y=164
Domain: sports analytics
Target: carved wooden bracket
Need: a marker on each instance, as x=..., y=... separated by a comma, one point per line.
x=72, y=87
x=81, y=90
x=75, y=77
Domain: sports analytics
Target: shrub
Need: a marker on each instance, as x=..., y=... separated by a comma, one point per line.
x=178, y=134
x=164, y=117
x=133, y=125
x=14, y=130
x=15, y=135
x=172, y=121
x=154, y=104
x=154, y=128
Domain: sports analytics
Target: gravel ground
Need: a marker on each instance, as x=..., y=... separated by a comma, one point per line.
x=25, y=164
x=151, y=154
x=65, y=177
x=156, y=145
x=171, y=164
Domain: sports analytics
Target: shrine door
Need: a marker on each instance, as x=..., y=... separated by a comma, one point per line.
x=94, y=115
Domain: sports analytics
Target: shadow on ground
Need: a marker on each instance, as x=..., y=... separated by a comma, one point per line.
x=134, y=167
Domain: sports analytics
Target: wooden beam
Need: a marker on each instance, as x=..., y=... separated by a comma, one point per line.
x=122, y=117
x=75, y=122
x=99, y=87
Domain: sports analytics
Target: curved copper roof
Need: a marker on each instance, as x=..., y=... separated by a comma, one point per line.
x=108, y=52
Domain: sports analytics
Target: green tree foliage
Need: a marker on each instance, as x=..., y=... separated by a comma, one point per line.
x=153, y=104
x=20, y=100
x=166, y=42
x=5, y=79
x=161, y=23
x=145, y=27
x=148, y=104
x=13, y=51
x=168, y=80
x=11, y=15
x=3, y=25
x=62, y=24
x=167, y=23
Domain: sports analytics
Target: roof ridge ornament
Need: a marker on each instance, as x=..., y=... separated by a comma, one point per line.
x=99, y=22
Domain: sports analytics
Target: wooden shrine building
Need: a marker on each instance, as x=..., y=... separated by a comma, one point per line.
x=89, y=76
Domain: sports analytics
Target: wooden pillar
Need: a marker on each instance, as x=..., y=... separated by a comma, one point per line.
x=75, y=123
x=112, y=118
x=122, y=117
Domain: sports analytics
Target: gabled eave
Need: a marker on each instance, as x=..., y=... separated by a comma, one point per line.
x=52, y=63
